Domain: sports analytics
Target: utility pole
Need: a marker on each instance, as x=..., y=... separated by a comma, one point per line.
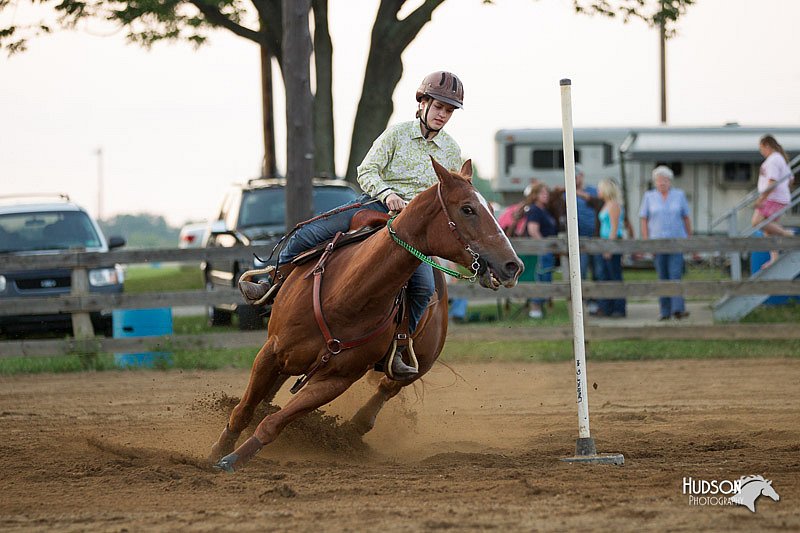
x=663, y=42
x=99, y=154
x=268, y=167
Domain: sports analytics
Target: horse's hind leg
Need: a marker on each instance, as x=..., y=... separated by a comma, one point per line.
x=265, y=381
x=316, y=393
x=364, y=420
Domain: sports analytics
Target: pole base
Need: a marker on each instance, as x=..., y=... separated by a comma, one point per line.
x=585, y=452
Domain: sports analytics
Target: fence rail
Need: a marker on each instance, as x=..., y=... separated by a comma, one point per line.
x=522, y=246
x=80, y=302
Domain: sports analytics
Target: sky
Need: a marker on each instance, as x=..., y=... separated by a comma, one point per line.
x=177, y=125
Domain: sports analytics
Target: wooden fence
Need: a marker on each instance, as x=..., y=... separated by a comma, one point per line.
x=81, y=302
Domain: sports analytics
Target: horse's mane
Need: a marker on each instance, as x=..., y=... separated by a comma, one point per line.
x=744, y=480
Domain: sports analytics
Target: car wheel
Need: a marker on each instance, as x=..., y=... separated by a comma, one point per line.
x=216, y=316
x=250, y=317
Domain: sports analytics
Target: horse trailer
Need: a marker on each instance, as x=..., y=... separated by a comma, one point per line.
x=715, y=166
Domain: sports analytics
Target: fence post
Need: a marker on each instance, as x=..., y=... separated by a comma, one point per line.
x=736, y=258
x=81, y=322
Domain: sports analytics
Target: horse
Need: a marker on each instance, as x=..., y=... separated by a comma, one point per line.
x=750, y=488
x=449, y=220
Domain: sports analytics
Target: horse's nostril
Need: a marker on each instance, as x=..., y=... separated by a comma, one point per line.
x=512, y=267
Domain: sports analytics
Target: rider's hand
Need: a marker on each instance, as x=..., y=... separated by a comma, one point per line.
x=395, y=203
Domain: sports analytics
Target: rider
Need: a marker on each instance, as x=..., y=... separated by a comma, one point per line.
x=396, y=169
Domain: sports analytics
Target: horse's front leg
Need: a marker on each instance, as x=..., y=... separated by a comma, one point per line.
x=265, y=381
x=319, y=391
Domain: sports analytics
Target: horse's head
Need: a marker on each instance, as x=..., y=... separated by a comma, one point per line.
x=557, y=206
x=465, y=230
x=768, y=491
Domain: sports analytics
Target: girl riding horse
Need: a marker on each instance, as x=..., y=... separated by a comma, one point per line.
x=395, y=170
x=449, y=220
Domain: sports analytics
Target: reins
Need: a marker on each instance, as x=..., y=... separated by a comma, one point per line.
x=475, y=266
x=326, y=214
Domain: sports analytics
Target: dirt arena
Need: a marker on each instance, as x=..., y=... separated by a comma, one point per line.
x=476, y=448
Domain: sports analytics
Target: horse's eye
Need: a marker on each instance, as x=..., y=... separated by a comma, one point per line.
x=467, y=210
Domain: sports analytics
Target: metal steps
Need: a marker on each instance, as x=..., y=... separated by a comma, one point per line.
x=733, y=308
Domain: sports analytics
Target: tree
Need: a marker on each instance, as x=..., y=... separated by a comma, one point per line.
x=260, y=21
x=654, y=12
x=300, y=141
x=661, y=13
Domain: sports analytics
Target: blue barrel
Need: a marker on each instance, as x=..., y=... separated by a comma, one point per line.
x=142, y=323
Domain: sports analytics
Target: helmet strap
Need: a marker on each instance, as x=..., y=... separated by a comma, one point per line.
x=423, y=120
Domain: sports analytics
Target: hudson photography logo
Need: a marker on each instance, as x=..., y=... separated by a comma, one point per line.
x=743, y=491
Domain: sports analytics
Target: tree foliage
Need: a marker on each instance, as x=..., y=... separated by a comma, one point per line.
x=150, y=21
x=653, y=12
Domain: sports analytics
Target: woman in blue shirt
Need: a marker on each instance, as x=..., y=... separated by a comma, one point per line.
x=665, y=215
x=541, y=224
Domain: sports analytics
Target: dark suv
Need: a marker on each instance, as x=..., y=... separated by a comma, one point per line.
x=39, y=226
x=253, y=214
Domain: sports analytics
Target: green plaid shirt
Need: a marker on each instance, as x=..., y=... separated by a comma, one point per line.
x=400, y=161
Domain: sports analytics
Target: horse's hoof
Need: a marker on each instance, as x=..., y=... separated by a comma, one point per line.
x=224, y=445
x=226, y=463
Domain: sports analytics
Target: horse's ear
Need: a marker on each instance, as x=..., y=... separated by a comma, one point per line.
x=466, y=170
x=441, y=172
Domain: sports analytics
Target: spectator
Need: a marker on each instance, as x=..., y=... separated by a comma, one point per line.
x=587, y=204
x=774, y=178
x=541, y=224
x=665, y=215
x=612, y=223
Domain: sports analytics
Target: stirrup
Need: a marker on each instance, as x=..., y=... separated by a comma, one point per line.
x=412, y=359
x=248, y=275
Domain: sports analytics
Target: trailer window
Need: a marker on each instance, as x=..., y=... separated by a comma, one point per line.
x=737, y=172
x=551, y=158
x=608, y=155
x=675, y=166
x=509, y=157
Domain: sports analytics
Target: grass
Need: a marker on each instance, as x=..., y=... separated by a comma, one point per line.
x=554, y=351
x=170, y=278
x=140, y=279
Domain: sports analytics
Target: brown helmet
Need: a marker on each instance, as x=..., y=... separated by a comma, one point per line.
x=443, y=86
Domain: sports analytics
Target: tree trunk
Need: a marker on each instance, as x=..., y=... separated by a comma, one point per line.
x=268, y=168
x=382, y=75
x=390, y=37
x=324, y=144
x=299, y=131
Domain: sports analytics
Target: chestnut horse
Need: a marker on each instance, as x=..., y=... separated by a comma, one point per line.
x=449, y=220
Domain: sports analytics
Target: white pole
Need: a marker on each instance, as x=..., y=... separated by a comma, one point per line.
x=574, y=259
x=99, y=154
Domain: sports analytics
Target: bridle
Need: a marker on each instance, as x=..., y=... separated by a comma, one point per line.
x=475, y=266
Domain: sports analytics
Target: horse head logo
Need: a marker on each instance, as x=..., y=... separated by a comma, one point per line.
x=750, y=488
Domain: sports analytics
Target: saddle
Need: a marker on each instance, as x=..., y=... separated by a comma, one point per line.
x=364, y=223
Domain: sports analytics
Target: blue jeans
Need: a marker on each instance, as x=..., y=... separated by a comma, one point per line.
x=670, y=267
x=544, y=273
x=591, y=263
x=420, y=285
x=611, y=270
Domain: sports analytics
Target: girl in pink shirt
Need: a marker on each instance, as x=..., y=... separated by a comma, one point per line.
x=774, y=178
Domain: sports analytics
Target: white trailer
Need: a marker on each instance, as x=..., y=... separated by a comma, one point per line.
x=715, y=166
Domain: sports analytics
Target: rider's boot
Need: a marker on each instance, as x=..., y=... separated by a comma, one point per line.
x=400, y=370
x=264, y=292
